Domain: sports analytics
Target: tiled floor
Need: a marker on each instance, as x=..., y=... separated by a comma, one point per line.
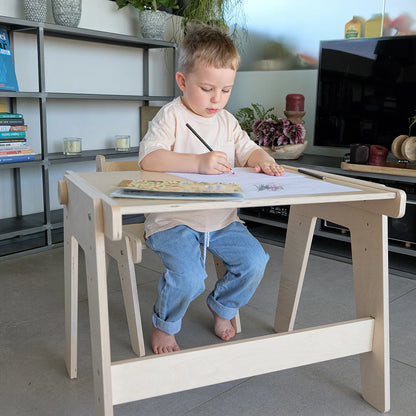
x=33, y=378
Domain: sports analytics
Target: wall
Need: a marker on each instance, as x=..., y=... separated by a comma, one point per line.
x=84, y=67
x=285, y=34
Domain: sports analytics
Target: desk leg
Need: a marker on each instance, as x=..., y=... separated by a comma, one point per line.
x=84, y=224
x=370, y=265
x=71, y=302
x=95, y=261
x=298, y=242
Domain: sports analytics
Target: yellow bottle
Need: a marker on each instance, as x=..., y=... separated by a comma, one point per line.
x=354, y=28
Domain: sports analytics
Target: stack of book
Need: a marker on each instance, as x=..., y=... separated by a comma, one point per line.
x=13, y=141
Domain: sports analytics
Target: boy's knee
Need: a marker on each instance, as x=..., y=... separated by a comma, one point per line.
x=194, y=283
x=258, y=261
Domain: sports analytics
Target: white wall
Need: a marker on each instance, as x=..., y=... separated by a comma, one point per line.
x=84, y=67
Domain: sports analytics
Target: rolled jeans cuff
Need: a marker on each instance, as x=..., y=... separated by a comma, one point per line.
x=170, y=328
x=221, y=310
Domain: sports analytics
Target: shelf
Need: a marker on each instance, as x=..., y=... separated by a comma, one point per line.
x=39, y=231
x=55, y=158
x=20, y=25
x=82, y=96
x=30, y=163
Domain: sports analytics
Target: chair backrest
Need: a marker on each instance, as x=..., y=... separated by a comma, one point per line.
x=102, y=165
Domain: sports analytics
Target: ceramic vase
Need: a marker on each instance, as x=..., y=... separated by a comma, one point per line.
x=152, y=24
x=67, y=12
x=35, y=10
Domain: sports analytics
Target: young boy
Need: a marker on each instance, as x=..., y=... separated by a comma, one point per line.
x=207, y=68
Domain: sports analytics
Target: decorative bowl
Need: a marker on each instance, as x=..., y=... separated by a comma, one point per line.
x=287, y=151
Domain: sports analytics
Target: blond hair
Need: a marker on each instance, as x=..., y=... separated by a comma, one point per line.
x=207, y=45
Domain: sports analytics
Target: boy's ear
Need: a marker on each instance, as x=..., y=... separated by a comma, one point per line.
x=180, y=80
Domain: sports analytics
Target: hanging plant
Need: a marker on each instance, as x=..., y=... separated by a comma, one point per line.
x=227, y=14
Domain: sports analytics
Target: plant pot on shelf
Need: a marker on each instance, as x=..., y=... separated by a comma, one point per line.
x=67, y=12
x=287, y=151
x=153, y=24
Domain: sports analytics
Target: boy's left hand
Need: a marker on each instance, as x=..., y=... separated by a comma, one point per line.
x=269, y=168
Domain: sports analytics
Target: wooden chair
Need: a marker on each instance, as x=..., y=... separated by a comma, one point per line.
x=127, y=252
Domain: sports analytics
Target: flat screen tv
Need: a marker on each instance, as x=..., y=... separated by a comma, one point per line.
x=366, y=90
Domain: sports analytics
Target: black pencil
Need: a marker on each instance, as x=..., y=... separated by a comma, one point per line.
x=314, y=175
x=202, y=140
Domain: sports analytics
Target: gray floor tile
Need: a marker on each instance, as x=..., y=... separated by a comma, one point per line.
x=33, y=378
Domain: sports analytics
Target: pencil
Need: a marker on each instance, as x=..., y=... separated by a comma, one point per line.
x=202, y=141
x=305, y=172
x=314, y=175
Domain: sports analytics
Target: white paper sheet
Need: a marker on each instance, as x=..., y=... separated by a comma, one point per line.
x=260, y=185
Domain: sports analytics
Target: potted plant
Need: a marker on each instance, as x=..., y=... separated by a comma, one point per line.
x=152, y=19
x=281, y=138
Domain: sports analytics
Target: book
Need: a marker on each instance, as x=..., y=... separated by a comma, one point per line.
x=10, y=115
x=5, y=127
x=12, y=134
x=12, y=121
x=17, y=158
x=16, y=150
x=176, y=189
x=8, y=79
x=12, y=140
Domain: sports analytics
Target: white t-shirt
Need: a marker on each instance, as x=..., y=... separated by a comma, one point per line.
x=222, y=132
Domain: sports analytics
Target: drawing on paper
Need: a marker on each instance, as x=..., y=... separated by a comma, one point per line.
x=271, y=187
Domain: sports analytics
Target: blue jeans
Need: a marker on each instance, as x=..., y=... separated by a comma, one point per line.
x=183, y=278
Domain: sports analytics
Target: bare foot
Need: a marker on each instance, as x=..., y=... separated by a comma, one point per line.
x=163, y=342
x=224, y=328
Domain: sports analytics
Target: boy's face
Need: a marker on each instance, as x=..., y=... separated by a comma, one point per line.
x=206, y=89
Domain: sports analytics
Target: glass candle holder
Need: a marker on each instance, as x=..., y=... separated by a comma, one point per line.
x=72, y=146
x=122, y=143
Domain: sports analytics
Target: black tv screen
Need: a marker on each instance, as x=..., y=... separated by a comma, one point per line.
x=366, y=90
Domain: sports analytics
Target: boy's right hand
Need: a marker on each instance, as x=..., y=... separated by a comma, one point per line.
x=213, y=163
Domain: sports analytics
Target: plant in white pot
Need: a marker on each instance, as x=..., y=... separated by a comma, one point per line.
x=152, y=20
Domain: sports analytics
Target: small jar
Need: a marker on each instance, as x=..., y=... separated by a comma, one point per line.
x=72, y=146
x=122, y=143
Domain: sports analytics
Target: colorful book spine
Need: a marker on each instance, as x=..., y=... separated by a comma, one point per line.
x=12, y=121
x=5, y=127
x=16, y=152
x=17, y=158
x=13, y=140
x=11, y=115
x=8, y=79
x=12, y=134
x=13, y=146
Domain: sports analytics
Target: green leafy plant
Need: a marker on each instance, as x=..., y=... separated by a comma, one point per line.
x=246, y=116
x=226, y=14
x=148, y=4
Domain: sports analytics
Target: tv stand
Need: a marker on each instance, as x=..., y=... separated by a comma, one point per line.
x=330, y=240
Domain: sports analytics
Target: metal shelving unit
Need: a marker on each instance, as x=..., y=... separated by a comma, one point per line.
x=35, y=232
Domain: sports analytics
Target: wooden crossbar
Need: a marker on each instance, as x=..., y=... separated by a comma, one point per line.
x=146, y=377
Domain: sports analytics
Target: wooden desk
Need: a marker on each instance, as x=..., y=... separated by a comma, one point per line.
x=90, y=215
